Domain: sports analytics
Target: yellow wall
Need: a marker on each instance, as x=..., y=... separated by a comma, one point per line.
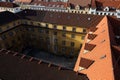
x=30, y=36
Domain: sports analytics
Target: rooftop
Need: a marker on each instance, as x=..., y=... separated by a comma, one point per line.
x=62, y=18
x=50, y=4
x=6, y=17
x=17, y=66
x=105, y=64
x=8, y=4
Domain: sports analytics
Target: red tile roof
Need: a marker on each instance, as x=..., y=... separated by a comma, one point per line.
x=103, y=68
x=50, y=4
x=82, y=3
x=23, y=1
x=108, y=3
x=13, y=67
x=8, y=4
x=69, y=19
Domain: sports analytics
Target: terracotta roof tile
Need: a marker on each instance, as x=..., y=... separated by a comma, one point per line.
x=8, y=4
x=85, y=63
x=82, y=3
x=23, y=1
x=12, y=68
x=108, y=3
x=50, y=4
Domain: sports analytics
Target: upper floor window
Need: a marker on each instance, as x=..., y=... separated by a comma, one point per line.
x=63, y=42
x=72, y=44
x=30, y=29
x=0, y=29
x=55, y=41
x=3, y=37
x=72, y=35
x=55, y=27
x=55, y=33
x=10, y=33
x=46, y=25
x=84, y=30
x=74, y=29
x=47, y=31
x=31, y=23
x=83, y=37
x=64, y=27
x=40, y=30
x=64, y=34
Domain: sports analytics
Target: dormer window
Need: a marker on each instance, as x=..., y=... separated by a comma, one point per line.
x=92, y=30
x=91, y=37
x=88, y=47
x=85, y=63
x=106, y=9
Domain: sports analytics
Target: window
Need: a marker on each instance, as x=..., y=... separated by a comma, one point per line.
x=72, y=35
x=55, y=33
x=40, y=30
x=30, y=29
x=55, y=41
x=47, y=31
x=64, y=28
x=38, y=24
x=10, y=33
x=63, y=42
x=55, y=49
x=55, y=27
x=31, y=23
x=72, y=51
x=64, y=34
x=74, y=29
x=48, y=40
x=46, y=25
x=0, y=30
x=84, y=30
x=16, y=30
x=3, y=37
x=63, y=49
x=82, y=37
x=80, y=46
x=72, y=44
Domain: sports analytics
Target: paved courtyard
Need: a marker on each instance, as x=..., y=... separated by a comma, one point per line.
x=48, y=57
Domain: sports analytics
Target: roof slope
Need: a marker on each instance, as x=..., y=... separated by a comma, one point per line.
x=8, y=4
x=102, y=68
x=19, y=67
x=82, y=3
x=6, y=17
x=70, y=19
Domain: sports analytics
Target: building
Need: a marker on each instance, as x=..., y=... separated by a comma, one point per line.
x=99, y=56
x=51, y=29
x=17, y=66
x=93, y=38
x=105, y=7
x=7, y=6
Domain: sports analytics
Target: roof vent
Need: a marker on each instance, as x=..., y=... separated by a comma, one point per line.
x=89, y=19
x=103, y=56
